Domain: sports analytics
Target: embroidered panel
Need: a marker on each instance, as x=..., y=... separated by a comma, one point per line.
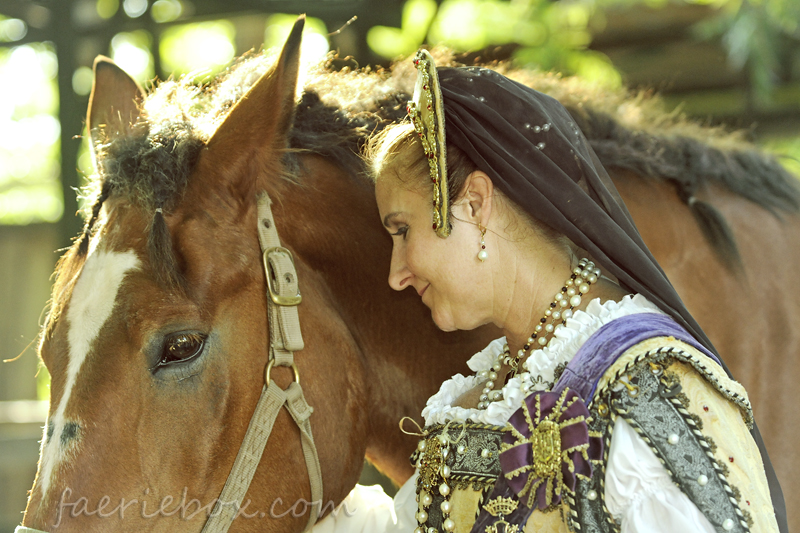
x=587, y=509
x=469, y=450
x=650, y=400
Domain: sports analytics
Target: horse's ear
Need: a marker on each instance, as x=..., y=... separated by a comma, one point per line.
x=259, y=122
x=114, y=104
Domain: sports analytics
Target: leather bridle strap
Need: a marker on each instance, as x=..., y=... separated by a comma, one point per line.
x=285, y=338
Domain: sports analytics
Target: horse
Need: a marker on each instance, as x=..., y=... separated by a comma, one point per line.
x=157, y=335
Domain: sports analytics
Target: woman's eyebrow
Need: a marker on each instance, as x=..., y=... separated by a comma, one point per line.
x=387, y=218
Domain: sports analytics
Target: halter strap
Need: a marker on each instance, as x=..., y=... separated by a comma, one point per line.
x=285, y=339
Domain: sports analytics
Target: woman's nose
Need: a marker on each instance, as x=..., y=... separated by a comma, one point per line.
x=399, y=275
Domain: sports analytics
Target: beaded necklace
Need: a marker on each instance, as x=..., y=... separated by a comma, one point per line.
x=557, y=313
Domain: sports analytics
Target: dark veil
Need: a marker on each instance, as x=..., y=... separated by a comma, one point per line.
x=530, y=146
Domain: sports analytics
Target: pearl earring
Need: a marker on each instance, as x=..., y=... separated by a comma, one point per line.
x=483, y=254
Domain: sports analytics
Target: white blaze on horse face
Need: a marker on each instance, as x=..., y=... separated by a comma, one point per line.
x=91, y=305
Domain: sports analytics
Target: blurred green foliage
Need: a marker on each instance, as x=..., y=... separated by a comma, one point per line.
x=548, y=35
x=787, y=149
x=132, y=52
x=556, y=35
x=12, y=29
x=197, y=50
x=757, y=34
x=30, y=190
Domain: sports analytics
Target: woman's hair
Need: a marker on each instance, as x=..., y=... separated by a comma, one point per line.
x=397, y=151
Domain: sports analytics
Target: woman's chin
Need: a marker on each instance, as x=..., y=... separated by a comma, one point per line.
x=443, y=323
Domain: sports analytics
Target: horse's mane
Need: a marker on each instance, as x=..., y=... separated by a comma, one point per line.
x=627, y=131
x=339, y=109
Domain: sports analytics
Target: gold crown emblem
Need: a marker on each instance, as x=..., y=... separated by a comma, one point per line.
x=501, y=506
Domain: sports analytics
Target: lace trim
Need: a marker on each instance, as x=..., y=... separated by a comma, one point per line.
x=540, y=366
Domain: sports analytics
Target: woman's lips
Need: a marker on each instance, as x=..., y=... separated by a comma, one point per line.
x=424, y=289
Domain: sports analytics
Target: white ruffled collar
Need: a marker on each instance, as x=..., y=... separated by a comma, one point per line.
x=540, y=366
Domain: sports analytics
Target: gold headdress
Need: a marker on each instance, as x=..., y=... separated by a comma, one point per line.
x=427, y=114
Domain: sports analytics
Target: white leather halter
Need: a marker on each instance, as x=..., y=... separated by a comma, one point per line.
x=285, y=339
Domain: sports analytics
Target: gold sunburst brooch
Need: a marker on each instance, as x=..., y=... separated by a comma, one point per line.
x=548, y=446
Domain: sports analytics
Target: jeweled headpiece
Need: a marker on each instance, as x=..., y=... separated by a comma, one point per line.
x=427, y=113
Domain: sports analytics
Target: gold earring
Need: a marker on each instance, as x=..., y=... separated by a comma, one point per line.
x=483, y=254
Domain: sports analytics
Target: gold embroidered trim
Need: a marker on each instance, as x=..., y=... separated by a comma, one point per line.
x=427, y=114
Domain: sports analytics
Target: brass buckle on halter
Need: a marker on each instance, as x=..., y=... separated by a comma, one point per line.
x=268, y=371
x=277, y=299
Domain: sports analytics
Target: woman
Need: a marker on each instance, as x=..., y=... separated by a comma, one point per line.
x=605, y=406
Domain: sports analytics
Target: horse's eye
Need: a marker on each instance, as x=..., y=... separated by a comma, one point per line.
x=181, y=347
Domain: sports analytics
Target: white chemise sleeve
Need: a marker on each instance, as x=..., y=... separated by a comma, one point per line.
x=640, y=494
x=370, y=510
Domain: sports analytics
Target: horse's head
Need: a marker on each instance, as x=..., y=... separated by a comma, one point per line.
x=157, y=339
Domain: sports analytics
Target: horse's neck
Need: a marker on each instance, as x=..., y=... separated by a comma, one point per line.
x=406, y=357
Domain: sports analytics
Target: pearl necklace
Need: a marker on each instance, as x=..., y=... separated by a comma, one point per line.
x=570, y=295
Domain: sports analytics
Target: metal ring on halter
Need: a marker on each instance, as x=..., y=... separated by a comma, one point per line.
x=269, y=370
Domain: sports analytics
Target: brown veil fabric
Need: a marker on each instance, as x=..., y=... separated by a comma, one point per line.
x=529, y=145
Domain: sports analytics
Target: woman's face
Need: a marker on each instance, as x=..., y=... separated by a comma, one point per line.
x=446, y=273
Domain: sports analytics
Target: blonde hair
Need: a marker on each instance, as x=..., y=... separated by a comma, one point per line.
x=397, y=150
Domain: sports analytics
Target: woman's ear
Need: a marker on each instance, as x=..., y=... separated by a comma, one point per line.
x=479, y=195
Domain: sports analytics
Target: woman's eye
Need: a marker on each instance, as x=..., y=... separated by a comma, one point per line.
x=181, y=347
x=401, y=231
